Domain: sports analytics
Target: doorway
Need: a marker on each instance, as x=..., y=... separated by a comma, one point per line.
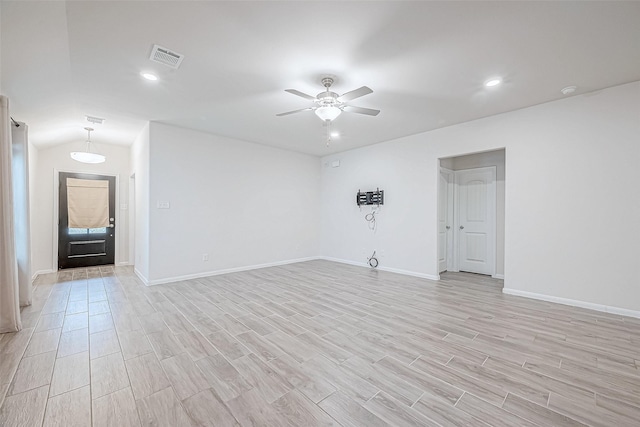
x=86, y=220
x=471, y=214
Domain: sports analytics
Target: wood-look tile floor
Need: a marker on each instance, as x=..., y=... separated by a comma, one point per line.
x=314, y=343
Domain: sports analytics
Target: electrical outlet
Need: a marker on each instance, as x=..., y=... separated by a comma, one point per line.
x=205, y=257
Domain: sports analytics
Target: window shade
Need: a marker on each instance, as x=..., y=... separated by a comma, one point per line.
x=88, y=203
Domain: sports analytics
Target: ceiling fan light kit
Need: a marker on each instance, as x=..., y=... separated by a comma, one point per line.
x=328, y=112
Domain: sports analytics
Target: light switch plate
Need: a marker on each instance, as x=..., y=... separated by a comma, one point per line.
x=163, y=205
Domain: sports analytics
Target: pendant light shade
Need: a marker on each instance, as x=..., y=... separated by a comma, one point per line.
x=87, y=156
x=328, y=112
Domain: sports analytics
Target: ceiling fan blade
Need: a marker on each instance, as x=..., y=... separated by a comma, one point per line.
x=357, y=93
x=293, y=112
x=304, y=95
x=360, y=110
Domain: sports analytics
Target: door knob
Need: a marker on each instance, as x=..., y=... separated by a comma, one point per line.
x=448, y=227
x=111, y=225
x=462, y=227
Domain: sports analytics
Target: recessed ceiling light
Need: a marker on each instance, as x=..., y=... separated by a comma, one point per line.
x=492, y=82
x=568, y=90
x=335, y=134
x=149, y=76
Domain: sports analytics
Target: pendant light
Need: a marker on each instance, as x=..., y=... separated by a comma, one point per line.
x=87, y=156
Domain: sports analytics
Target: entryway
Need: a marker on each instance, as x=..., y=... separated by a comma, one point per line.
x=86, y=220
x=471, y=214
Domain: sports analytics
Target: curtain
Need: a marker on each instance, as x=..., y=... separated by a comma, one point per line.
x=88, y=203
x=20, y=174
x=9, y=299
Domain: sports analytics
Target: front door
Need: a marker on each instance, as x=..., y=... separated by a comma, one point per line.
x=476, y=220
x=86, y=245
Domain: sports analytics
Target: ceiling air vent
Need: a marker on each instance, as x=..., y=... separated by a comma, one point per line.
x=164, y=56
x=95, y=120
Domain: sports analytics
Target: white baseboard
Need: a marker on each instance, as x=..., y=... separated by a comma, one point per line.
x=498, y=276
x=389, y=269
x=39, y=272
x=141, y=276
x=574, y=303
x=122, y=263
x=219, y=272
x=148, y=282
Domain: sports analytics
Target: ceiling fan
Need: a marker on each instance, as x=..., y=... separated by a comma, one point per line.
x=329, y=105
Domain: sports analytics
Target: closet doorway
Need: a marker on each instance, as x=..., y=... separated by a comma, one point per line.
x=471, y=213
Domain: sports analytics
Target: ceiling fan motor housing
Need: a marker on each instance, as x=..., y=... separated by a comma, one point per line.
x=327, y=98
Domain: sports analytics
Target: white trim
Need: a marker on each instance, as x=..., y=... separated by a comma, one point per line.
x=141, y=276
x=122, y=263
x=498, y=276
x=574, y=303
x=39, y=272
x=450, y=217
x=344, y=261
x=390, y=270
x=410, y=273
x=219, y=272
x=56, y=201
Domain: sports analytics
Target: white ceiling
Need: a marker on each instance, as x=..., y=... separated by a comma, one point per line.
x=425, y=61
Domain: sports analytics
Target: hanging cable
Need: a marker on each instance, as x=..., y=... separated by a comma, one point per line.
x=371, y=219
x=373, y=261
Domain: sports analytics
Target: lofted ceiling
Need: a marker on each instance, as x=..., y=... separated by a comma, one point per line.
x=425, y=61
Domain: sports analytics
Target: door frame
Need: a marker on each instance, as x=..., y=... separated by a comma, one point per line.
x=451, y=185
x=56, y=204
x=492, y=221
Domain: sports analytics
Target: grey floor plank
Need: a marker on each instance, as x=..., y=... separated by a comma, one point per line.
x=208, y=410
x=350, y=413
x=300, y=411
x=536, y=413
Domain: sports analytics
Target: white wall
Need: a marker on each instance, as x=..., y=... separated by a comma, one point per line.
x=42, y=228
x=139, y=200
x=241, y=203
x=571, y=202
x=480, y=160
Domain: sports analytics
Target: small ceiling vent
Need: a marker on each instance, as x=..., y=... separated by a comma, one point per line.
x=164, y=56
x=95, y=120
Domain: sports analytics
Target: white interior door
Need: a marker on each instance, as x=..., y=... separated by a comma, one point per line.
x=445, y=219
x=476, y=215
